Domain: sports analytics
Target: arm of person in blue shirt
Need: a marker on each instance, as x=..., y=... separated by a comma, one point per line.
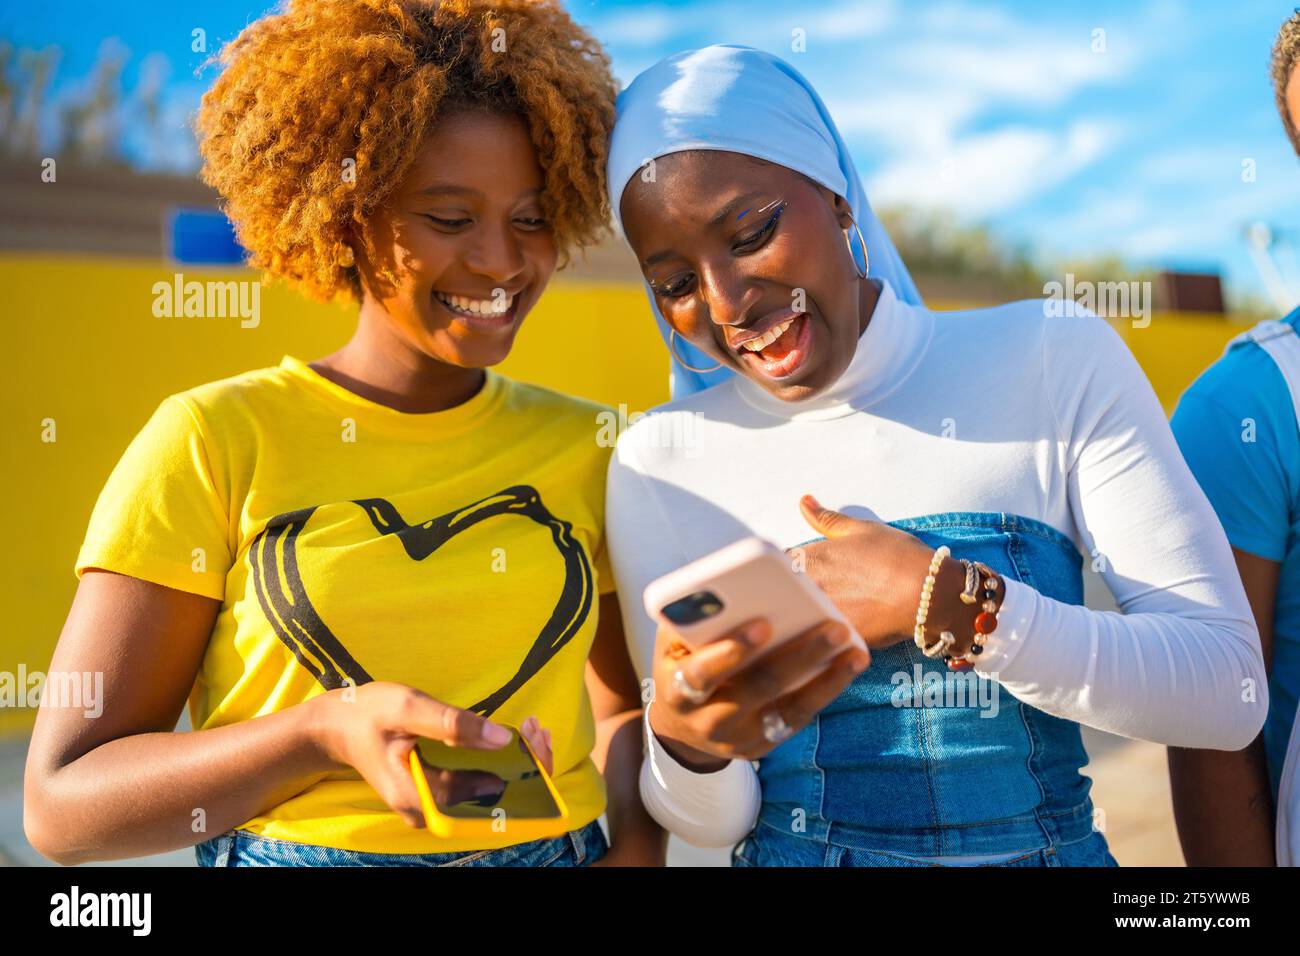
x=1223, y=803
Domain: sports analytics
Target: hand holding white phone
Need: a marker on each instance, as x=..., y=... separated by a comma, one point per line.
x=749, y=579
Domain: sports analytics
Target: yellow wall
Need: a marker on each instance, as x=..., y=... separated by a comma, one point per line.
x=1176, y=347
x=85, y=349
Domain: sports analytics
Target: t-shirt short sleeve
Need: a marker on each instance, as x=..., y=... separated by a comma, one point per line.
x=1236, y=428
x=605, y=583
x=161, y=516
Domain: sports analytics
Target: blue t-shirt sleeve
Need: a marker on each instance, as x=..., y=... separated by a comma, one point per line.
x=1236, y=428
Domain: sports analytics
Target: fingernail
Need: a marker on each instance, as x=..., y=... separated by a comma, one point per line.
x=495, y=734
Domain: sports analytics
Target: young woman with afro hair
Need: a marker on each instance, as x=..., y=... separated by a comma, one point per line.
x=334, y=559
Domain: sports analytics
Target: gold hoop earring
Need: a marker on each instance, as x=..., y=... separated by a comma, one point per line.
x=862, y=242
x=672, y=347
x=347, y=259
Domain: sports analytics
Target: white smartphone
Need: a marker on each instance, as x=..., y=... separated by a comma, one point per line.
x=752, y=578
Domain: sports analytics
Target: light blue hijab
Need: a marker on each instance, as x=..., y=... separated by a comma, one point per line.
x=742, y=100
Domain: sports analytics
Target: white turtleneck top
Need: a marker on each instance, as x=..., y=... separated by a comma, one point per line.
x=994, y=410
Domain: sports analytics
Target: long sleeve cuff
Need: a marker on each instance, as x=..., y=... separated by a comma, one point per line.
x=704, y=809
x=1015, y=620
x=1173, y=679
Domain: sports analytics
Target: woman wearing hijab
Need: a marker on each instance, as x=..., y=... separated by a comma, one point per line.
x=969, y=458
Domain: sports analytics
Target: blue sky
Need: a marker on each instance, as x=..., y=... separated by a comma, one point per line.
x=1001, y=113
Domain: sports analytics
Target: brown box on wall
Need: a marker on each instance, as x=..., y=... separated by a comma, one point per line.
x=1189, y=292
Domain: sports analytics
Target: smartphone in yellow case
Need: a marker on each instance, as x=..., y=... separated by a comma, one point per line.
x=468, y=793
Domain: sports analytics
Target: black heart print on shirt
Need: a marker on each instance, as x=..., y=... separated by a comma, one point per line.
x=300, y=627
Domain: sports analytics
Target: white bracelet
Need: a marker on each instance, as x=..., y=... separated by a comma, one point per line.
x=923, y=609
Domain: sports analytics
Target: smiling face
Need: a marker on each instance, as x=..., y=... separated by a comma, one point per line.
x=465, y=241
x=748, y=262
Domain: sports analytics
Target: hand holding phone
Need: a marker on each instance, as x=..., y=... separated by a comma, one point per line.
x=753, y=646
x=470, y=794
x=751, y=578
x=376, y=729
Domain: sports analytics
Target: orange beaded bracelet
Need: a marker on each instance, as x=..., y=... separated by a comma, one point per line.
x=986, y=621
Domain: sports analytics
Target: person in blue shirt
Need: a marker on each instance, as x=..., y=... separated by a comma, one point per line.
x=1236, y=426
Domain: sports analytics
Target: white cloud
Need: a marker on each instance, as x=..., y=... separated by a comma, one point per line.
x=643, y=27
x=916, y=107
x=848, y=21
x=992, y=172
x=905, y=119
x=1157, y=241
x=731, y=21
x=1133, y=213
x=947, y=107
x=1025, y=67
x=1211, y=164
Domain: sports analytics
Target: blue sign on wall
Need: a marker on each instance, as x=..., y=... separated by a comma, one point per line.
x=202, y=236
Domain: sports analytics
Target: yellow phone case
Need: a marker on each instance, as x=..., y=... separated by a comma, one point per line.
x=523, y=828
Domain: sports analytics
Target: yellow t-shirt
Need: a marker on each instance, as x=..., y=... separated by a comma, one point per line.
x=460, y=552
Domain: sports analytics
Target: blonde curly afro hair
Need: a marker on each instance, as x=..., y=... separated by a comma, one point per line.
x=322, y=84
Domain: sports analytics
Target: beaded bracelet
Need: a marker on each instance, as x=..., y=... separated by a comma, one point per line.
x=986, y=621
x=968, y=594
x=923, y=608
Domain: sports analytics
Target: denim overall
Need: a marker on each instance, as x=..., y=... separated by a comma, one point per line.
x=966, y=770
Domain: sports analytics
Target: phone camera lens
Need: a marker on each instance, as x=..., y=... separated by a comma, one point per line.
x=693, y=608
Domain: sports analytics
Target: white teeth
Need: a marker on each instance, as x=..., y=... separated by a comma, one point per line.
x=768, y=337
x=459, y=303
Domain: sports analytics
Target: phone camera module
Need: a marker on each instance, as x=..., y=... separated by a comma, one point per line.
x=693, y=608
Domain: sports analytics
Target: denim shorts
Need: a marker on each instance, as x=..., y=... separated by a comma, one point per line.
x=241, y=848
x=767, y=846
